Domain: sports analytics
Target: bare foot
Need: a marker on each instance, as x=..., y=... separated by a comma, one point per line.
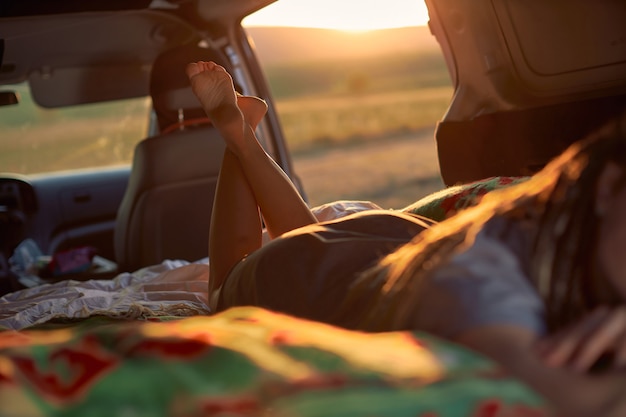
x=214, y=88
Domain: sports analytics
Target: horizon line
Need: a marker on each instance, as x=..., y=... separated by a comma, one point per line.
x=255, y=25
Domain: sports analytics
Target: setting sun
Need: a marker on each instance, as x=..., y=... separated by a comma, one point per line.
x=349, y=15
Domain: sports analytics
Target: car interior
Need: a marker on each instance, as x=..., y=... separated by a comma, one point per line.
x=158, y=207
x=512, y=100
x=529, y=77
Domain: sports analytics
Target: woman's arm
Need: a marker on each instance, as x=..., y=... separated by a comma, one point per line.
x=571, y=393
x=600, y=335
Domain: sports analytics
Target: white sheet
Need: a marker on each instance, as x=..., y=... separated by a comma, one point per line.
x=172, y=288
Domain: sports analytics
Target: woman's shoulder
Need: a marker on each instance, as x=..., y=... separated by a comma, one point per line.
x=512, y=234
x=485, y=282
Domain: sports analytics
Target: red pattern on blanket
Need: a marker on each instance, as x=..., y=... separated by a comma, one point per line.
x=248, y=362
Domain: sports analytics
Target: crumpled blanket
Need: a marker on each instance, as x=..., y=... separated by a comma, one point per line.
x=172, y=288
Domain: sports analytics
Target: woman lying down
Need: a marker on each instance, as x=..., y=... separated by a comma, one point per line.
x=534, y=277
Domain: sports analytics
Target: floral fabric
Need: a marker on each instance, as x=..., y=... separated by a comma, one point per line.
x=247, y=362
x=449, y=201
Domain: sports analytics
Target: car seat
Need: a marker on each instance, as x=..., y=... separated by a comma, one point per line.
x=166, y=210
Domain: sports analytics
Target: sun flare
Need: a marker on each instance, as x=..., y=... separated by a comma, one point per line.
x=348, y=15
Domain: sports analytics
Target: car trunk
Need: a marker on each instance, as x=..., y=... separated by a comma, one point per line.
x=530, y=77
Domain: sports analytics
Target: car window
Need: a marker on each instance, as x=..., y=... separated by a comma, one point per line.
x=36, y=139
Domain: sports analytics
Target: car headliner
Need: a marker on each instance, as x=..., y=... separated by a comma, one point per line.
x=82, y=51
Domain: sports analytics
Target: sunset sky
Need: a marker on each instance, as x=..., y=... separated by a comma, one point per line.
x=353, y=15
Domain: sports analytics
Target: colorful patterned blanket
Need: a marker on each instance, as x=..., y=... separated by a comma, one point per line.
x=445, y=203
x=246, y=362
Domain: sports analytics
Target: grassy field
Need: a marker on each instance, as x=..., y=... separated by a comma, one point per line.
x=58, y=142
x=385, y=73
x=392, y=172
x=308, y=123
x=320, y=104
x=319, y=121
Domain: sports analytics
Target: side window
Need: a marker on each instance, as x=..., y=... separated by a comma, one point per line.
x=36, y=139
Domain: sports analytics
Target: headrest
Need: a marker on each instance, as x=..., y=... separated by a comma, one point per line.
x=169, y=85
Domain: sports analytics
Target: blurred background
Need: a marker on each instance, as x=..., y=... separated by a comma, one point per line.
x=359, y=87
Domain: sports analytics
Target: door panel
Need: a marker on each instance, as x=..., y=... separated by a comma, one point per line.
x=62, y=211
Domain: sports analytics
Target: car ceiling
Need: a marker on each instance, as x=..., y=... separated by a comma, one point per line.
x=102, y=48
x=205, y=9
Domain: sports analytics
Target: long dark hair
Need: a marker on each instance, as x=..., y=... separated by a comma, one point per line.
x=559, y=205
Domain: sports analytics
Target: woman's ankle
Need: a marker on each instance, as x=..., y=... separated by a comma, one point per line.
x=226, y=116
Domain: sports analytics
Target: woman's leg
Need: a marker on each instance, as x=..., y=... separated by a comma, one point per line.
x=236, y=227
x=249, y=178
x=235, y=222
